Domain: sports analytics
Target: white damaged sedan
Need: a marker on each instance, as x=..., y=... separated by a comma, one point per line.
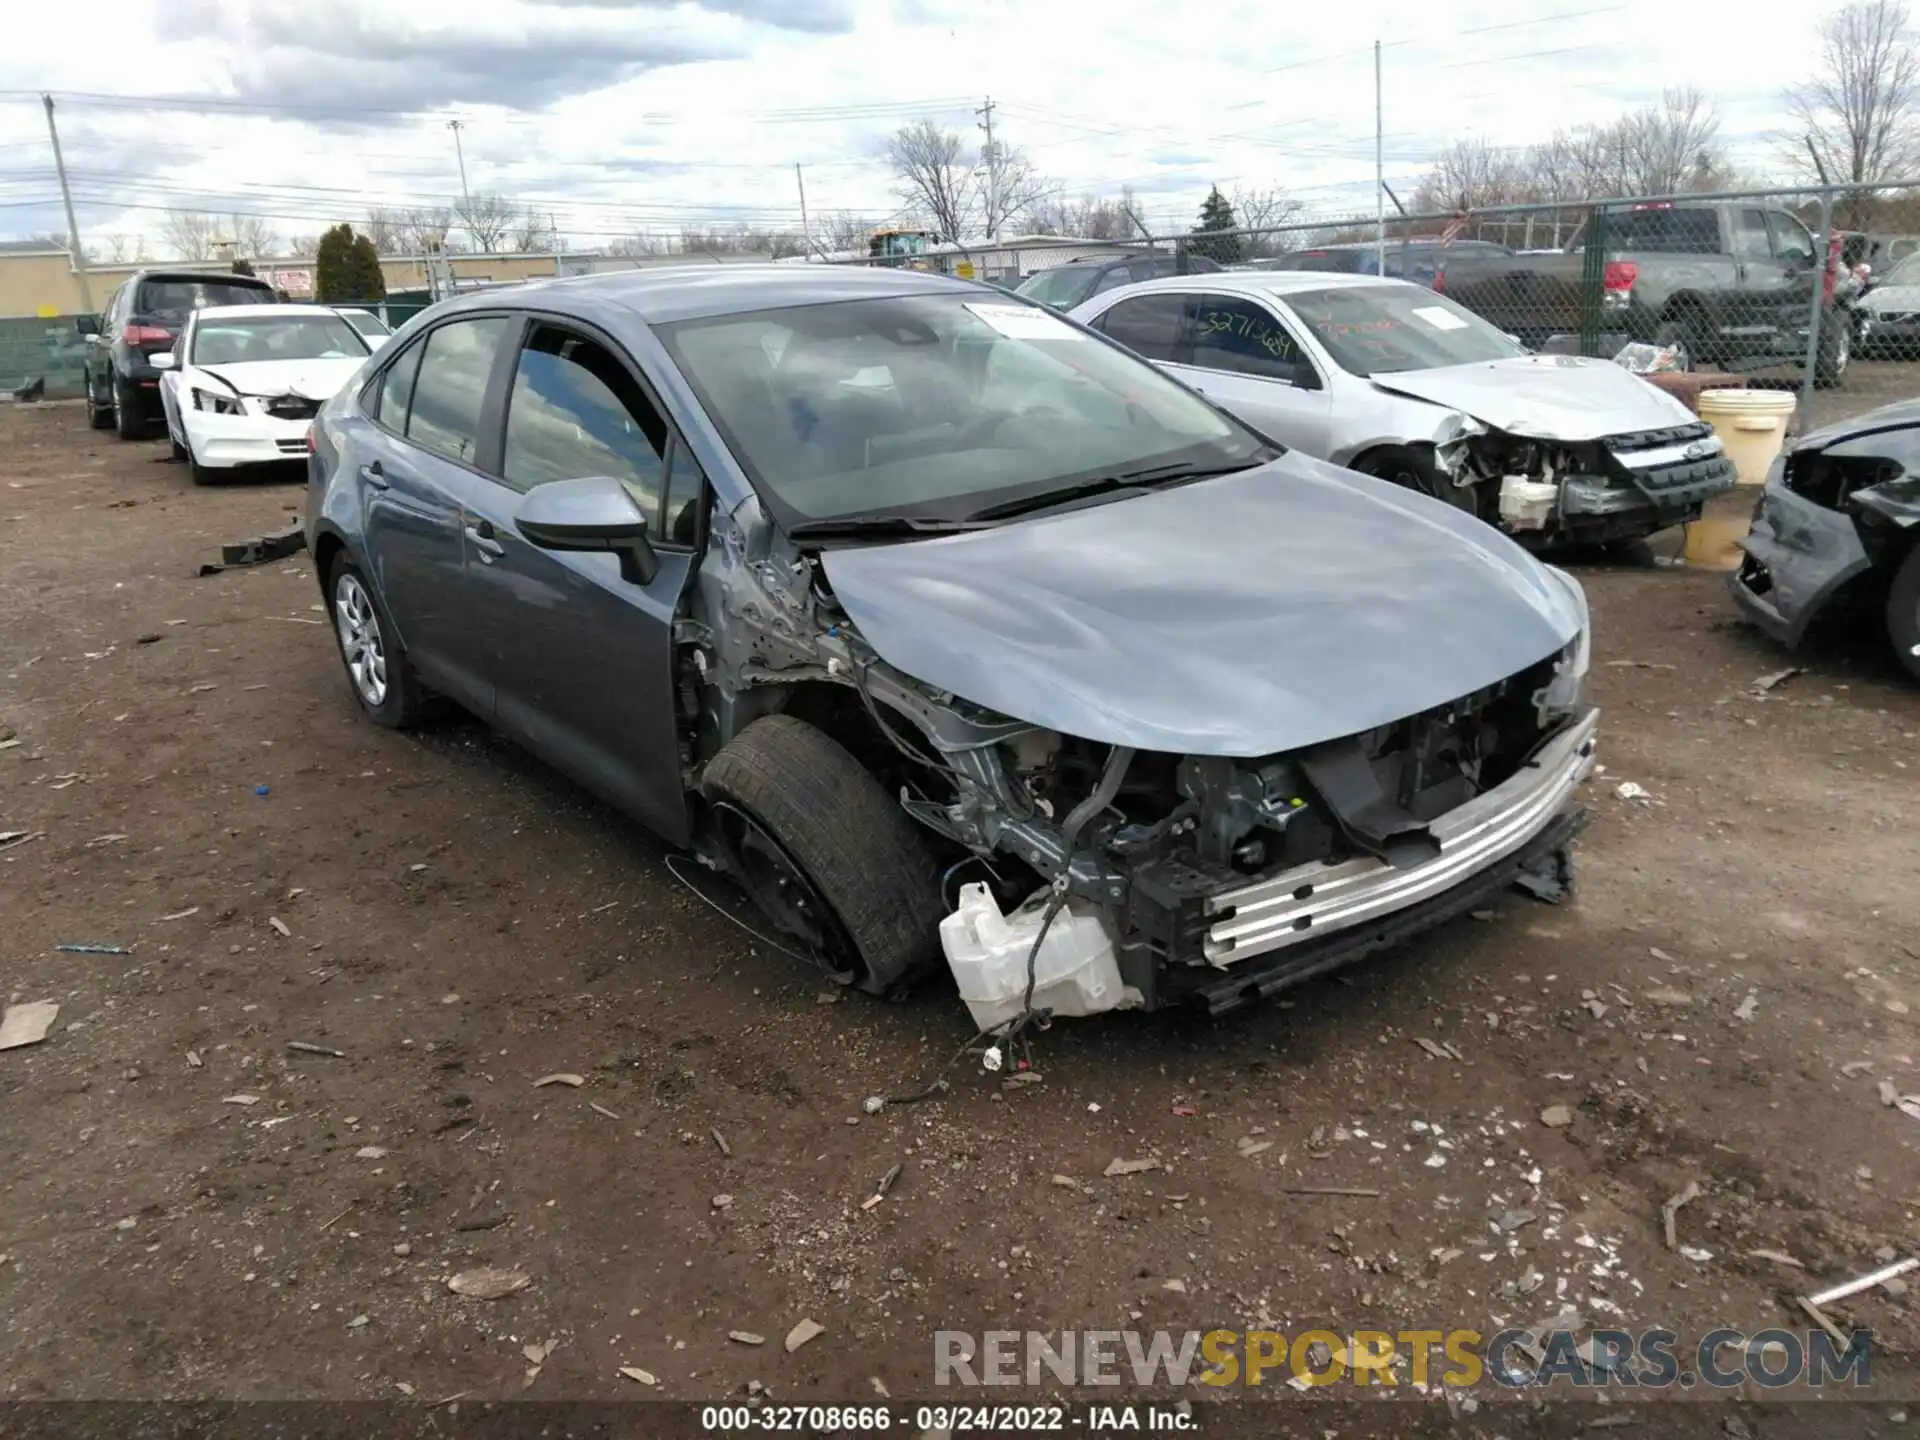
x=244, y=382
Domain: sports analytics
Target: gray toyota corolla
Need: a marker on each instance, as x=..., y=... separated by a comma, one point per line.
x=860, y=583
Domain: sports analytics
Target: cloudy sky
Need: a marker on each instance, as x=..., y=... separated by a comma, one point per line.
x=626, y=115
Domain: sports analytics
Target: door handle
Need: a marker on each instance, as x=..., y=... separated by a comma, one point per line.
x=374, y=475
x=482, y=537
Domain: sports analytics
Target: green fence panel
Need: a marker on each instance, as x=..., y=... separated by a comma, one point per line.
x=49, y=348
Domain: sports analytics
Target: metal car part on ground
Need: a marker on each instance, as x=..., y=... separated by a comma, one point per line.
x=906, y=583
x=1837, y=531
x=1389, y=379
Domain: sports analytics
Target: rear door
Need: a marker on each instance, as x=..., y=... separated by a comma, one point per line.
x=580, y=658
x=1247, y=360
x=1793, y=252
x=1155, y=326
x=416, y=462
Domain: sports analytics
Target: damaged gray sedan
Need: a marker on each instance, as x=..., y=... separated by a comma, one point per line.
x=870, y=586
x=1838, y=529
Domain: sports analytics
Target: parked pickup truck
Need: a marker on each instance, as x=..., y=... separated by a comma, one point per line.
x=1728, y=282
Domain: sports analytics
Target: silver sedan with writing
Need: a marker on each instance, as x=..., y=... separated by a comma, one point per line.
x=1395, y=381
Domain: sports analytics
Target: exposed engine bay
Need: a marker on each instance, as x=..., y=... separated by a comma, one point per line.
x=1196, y=864
x=1553, y=492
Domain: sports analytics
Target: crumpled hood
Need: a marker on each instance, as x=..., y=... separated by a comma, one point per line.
x=315, y=379
x=1246, y=615
x=1546, y=397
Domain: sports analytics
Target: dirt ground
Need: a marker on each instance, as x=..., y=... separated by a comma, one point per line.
x=189, y=1208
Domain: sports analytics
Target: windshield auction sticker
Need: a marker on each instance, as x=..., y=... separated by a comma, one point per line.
x=1025, y=322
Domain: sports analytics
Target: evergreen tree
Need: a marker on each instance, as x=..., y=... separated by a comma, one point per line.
x=1213, y=234
x=333, y=278
x=242, y=266
x=369, y=283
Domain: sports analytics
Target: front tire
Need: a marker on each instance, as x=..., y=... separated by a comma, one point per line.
x=826, y=853
x=1414, y=470
x=1903, y=613
x=99, y=417
x=378, y=671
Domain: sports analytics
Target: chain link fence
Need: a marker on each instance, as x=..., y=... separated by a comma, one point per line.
x=1804, y=289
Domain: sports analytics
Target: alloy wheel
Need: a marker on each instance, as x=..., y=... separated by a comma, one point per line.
x=786, y=895
x=361, y=643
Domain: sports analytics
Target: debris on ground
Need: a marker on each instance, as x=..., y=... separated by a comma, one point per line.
x=721, y=1141
x=27, y=1024
x=1670, y=1210
x=308, y=1049
x=1778, y=677
x=182, y=914
x=11, y=838
x=240, y=1099
x=279, y=926
x=1746, y=1009
x=1438, y=1050
x=803, y=1332
x=371, y=1152
x=600, y=1109
x=275, y=545
x=1663, y=996
x=84, y=949
x=634, y=1372
x=1644, y=359
x=1632, y=790
x=1865, y=1282
x=1556, y=1117
x=746, y=1337
x=488, y=1282
x=1358, y=1192
x=1117, y=1166
x=721, y=1201
x=1778, y=1257
x=576, y=1081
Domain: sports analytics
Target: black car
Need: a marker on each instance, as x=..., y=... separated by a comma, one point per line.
x=1416, y=260
x=143, y=319
x=1078, y=281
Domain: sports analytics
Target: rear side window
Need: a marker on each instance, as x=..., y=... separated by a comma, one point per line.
x=1152, y=326
x=176, y=299
x=577, y=411
x=1679, y=232
x=452, y=386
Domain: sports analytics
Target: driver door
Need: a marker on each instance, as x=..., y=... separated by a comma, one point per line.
x=1247, y=361
x=582, y=659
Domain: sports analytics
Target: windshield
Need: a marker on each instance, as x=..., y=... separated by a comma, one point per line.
x=1906, y=272
x=174, y=299
x=936, y=406
x=365, y=323
x=276, y=337
x=1387, y=329
x=1063, y=288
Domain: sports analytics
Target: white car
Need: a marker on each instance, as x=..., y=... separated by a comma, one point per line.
x=243, y=383
x=375, y=331
x=1396, y=381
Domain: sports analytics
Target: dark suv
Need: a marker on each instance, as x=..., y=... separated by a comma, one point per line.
x=1066, y=286
x=143, y=319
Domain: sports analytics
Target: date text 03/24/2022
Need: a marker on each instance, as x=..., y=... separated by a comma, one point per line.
x=1094, y=1419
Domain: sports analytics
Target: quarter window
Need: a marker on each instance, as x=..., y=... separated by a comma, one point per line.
x=452, y=386
x=577, y=411
x=394, y=389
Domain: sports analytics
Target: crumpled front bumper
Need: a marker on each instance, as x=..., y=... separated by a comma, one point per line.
x=1311, y=901
x=1798, y=556
x=220, y=442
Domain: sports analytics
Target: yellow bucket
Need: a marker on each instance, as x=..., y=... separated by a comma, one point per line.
x=1752, y=424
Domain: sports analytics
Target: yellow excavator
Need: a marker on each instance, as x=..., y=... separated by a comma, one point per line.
x=902, y=249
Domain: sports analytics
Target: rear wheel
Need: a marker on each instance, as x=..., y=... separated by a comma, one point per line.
x=1903, y=613
x=1836, y=348
x=382, y=677
x=826, y=853
x=126, y=411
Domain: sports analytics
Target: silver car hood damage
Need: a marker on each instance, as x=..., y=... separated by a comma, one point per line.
x=1545, y=397
x=1242, y=616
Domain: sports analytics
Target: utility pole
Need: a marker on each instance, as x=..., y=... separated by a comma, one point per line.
x=1379, y=173
x=800, y=179
x=74, y=253
x=992, y=159
x=461, y=155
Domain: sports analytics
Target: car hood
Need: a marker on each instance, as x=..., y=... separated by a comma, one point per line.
x=1246, y=615
x=1901, y=414
x=1545, y=397
x=315, y=379
x=1892, y=299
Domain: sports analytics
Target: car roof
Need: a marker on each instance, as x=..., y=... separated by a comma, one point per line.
x=662, y=294
x=259, y=312
x=226, y=277
x=1279, y=283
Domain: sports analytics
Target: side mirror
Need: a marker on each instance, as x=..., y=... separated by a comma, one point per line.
x=162, y=361
x=593, y=513
x=87, y=325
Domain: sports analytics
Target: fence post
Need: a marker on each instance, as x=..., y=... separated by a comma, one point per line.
x=1822, y=241
x=1593, y=270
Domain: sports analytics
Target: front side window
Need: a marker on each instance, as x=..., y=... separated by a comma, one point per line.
x=452, y=386
x=936, y=406
x=577, y=411
x=393, y=391
x=1750, y=240
x=1390, y=328
x=319, y=336
x=1792, y=241
x=1242, y=338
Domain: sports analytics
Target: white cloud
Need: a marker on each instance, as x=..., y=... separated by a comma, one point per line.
x=639, y=115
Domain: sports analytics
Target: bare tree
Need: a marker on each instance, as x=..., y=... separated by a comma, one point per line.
x=1087, y=218
x=1670, y=146
x=487, y=217
x=422, y=230
x=251, y=236
x=1470, y=174
x=1008, y=187
x=383, y=227
x=842, y=230
x=1858, y=110
x=933, y=175
x=637, y=246
x=1262, y=210
x=532, y=231
x=121, y=247
x=189, y=233
x=303, y=247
